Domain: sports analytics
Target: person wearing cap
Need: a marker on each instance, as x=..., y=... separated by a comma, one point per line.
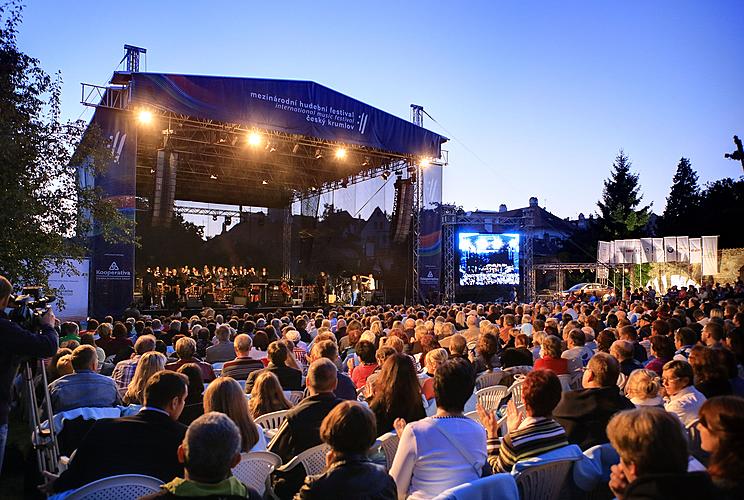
x=644, y=325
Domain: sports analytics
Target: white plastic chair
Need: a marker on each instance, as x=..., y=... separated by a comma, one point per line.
x=217, y=368
x=565, y=381
x=490, y=397
x=294, y=397
x=255, y=468
x=501, y=486
x=543, y=482
x=389, y=445
x=488, y=379
x=313, y=460
x=272, y=421
x=473, y=415
x=124, y=487
x=516, y=391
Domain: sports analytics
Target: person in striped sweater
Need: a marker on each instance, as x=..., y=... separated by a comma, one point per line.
x=532, y=432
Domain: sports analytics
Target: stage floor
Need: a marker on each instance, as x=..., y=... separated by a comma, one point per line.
x=233, y=310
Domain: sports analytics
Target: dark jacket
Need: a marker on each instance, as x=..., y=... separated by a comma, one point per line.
x=301, y=430
x=145, y=443
x=353, y=476
x=17, y=342
x=585, y=414
x=289, y=378
x=516, y=357
x=627, y=366
x=715, y=387
x=687, y=486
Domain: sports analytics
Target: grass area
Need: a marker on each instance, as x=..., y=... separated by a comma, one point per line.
x=17, y=452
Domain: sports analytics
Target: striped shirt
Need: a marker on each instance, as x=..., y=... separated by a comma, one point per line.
x=534, y=437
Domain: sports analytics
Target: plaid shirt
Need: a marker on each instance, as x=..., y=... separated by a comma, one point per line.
x=124, y=373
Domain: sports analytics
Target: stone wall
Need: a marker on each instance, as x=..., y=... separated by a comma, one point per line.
x=730, y=267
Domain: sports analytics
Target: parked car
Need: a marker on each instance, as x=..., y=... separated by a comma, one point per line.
x=596, y=289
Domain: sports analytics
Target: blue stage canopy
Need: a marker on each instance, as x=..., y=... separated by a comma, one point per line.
x=293, y=107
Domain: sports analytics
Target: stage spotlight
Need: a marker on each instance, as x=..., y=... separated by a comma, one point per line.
x=145, y=116
x=366, y=161
x=213, y=177
x=152, y=170
x=254, y=139
x=228, y=220
x=385, y=175
x=295, y=149
x=214, y=218
x=318, y=154
x=264, y=182
x=425, y=162
x=341, y=153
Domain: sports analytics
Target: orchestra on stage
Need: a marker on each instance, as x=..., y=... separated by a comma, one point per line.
x=192, y=287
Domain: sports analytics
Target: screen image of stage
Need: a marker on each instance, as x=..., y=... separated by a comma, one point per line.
x=488, y=259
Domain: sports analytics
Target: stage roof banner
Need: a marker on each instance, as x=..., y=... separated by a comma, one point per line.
x=293, y=107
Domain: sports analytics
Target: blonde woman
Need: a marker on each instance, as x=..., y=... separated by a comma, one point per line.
x=149, y=364
x=642, y=388
x=267, y=396
x=434, y=359
x=226, y=396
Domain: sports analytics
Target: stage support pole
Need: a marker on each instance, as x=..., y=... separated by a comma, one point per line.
x=287, y=243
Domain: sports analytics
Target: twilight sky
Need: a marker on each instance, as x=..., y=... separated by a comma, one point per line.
x=539, y=95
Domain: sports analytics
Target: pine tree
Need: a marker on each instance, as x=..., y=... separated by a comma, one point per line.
x=683, y=202
x=619, y=212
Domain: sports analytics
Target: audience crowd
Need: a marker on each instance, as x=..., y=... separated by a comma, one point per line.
x=655, y=380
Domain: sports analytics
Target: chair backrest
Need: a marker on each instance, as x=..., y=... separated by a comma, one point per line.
x=693, y=436
x=522, y=369
x=271, y=421
x=488, y=379
x=565, y=379
x=255, y=468
x=294, y=397
x=473, y=415
x=543, y=482
x=516, y=392
x=490, y=397
x=313, y=460
x=124, y=487
x=217, y=368
x=389, y=445
x=501, y=486
x=621, y=380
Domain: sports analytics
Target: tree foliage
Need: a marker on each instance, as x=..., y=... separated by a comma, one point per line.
x=722, y=210
x=618, y=209
x=683, y=202
x=46, y=213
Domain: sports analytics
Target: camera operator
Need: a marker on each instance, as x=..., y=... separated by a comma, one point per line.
x=16, y=342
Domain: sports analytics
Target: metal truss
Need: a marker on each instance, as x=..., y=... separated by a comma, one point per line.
x=287, y=244
x=448, y=237
x=418, y=206
x=214, y=212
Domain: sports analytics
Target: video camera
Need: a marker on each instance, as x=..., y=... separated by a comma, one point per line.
x=29, y=307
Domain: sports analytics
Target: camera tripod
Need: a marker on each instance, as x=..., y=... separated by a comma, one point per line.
x=44, y=441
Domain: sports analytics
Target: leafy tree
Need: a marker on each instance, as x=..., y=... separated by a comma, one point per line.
x=46, y=213
x=619, y=212
x=722, y=209
x=683, y=202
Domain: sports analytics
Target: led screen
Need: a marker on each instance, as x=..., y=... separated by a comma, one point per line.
x=488, y=259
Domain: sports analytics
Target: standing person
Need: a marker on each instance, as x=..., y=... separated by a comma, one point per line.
x=18, y=342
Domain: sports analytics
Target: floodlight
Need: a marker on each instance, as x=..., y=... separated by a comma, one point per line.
x=213, y=177
x=385, y=175
x=254, y=139
x=264, y=182
x=341, y=153
x=145, y=116
x=425, y=162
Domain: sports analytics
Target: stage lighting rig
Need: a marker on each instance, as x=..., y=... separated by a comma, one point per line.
x=145, y=116
x=340, y=153
x=254, y=139
x=385, y=175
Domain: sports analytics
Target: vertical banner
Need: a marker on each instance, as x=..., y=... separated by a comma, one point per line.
x=619, y=251
x=647, y=250
x=683, y=249
x=670, y=248
x=603, y=252
x=635, y=246
x=430, y=248
x=72, y=288
x=613, y=260
x=112, y=272
x=710, y=255
x=659, y=250
x=696, y=251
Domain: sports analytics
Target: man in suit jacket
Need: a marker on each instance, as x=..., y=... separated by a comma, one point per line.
x=289, y=378
x=145, y=443
x=584, y=414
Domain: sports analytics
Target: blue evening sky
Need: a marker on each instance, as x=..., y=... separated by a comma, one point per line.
x=541, y=95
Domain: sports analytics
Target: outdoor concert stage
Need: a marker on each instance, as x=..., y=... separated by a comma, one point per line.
x=236, y=141
x=228, y=311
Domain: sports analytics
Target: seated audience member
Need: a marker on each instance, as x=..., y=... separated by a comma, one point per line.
x=327, y=348
x=382, y=354
x=300, y=430
x=622, y=351
x=628, y=333
x=551, y=356
x=681, y=396
x=194, y=406
x=458, y=349
x=684, y=341
x=267, y=396
x=64, y=365
x=145, y=443
x=118, y=340
x=290, y=378
x=86, y=338
x=537, y=339
x=209, y=451
x=186, y=349
x=486, y=353
x=528, y=437
x=710, y=371
x=713, y=334
x=519, y=355
x=223, y=350
x=584, y=413
x=243, y=365
x=124, y=370
x=396, y=394
x=84, y=387
x=653, y=458
x=148, y=365
x=662, y=350
x=443, y=451
x=577, y=354
x=349, y=431
x=721, y=430
x=642, y=388
x=605, y=339
x=434, y=359
x=226, y=396
x=366, y=352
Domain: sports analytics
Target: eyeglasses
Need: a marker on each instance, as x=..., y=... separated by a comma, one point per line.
x=664, y=380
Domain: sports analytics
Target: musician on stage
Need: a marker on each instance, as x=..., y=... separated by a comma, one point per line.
x=368, y=282
x=321, y=287
x=354, y=289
